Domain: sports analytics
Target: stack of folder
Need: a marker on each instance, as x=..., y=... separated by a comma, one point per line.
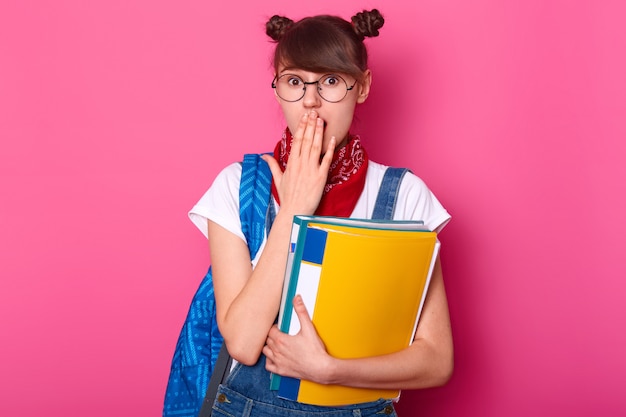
x=364, y=283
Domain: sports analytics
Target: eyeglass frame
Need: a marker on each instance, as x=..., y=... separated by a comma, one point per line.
x=306, y=83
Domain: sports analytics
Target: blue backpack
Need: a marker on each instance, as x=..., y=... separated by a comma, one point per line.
x=200, y=341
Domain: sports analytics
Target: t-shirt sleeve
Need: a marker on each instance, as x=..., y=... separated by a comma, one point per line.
x=220, y=203
x=417, y=202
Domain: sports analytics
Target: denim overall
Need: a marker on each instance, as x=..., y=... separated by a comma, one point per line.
x=254, y=381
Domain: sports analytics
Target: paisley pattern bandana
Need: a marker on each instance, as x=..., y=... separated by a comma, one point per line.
x=346, y=176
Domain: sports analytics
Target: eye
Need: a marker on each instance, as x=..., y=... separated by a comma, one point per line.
x=293, y=81
x=331, y=80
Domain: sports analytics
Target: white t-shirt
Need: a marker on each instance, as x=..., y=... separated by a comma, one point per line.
x=415, y=201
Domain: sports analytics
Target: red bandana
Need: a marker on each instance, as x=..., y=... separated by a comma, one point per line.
x=346, y=176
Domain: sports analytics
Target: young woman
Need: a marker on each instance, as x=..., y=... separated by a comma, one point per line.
x=319, y=167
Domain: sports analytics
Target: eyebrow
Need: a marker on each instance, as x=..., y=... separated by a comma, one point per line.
x=292, y=70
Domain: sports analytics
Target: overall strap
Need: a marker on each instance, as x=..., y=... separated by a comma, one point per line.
x=388, y=193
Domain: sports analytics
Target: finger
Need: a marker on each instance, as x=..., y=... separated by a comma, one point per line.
x=296, y=145
x=328, y=155
x=274, y=333
x=303, y=315
x=267, y=351
x=309, y=134
x=270, y=365
x=318, y=139
x=277, y=173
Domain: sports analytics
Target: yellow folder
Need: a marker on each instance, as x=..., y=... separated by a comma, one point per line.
x=364, y=283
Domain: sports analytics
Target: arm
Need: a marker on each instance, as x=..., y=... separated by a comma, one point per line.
x=426, y=363
x=247, y=300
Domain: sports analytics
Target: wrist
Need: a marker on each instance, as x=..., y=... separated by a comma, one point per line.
x=284, y=216
x=329, y=371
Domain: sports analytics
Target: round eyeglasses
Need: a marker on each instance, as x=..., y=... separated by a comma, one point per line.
x=331, y=87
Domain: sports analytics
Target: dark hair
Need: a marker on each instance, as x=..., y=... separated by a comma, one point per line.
x=324, y=43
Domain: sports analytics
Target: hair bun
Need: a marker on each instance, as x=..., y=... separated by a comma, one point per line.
x=367, y=23
x=276, y=26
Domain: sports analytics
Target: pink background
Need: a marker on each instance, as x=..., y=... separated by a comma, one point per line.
x=116, y=115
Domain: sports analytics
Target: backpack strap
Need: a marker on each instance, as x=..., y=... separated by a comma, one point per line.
x=254, y=197
x=256, y=213
x=388, y=193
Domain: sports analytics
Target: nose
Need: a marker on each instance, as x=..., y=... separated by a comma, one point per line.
x=311, y=97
